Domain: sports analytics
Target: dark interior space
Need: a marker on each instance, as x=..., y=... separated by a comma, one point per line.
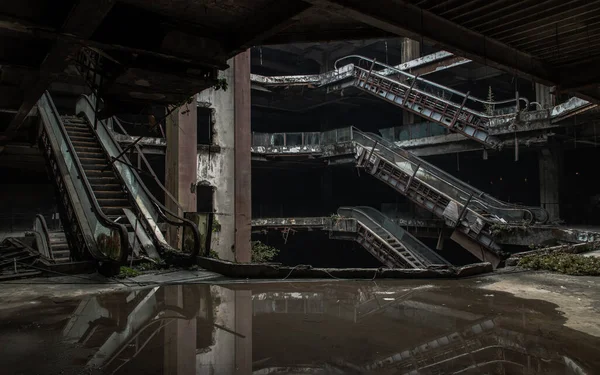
x=499, y=176
x=580, y=201
x=24, y=194
x=205, y=126
x=316, y=249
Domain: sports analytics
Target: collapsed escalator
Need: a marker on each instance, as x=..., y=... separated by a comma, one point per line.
x=472, y=214
x=107, y=212
x=388, y=242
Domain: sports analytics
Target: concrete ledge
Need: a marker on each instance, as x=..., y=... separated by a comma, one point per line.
x=569, y=248
x=276, y=271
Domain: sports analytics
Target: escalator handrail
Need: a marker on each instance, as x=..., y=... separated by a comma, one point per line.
x=484, y=204
x=45, y=234
x=418, y=253
x=473, y=190
x=465, y=187
x=158, y=206
x=102, y=218
x=445, y=88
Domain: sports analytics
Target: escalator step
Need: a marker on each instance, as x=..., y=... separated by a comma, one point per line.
x=90, y=173
x=114, y=210
x=87, y=161
x=112, y=187
x=109, y=194
x=81, y=138
x=110, y=202
x=78, y=130
x=84, y=143
x=91, y=149
x=90, y=155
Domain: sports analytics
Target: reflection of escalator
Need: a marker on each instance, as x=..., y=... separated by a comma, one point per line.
x=107, y=211
x=468, y=210
x=388, y=242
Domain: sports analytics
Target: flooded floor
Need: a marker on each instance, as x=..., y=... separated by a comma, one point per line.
x=337, y=327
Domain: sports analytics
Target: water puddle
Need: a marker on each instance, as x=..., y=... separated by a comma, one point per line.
x=395, y=327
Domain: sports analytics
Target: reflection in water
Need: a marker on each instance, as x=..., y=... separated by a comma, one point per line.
x=325, y=328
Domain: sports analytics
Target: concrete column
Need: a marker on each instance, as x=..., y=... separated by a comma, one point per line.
x=181, y=164
x=243, y=157
x=228, y=169
x=411, y=49
x=550, y=167
x=543, y=96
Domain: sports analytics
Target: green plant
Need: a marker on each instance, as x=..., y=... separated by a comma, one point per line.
x=570, y=264
x=147, y=266
x=216, y=226
x=213, y=254
x=262, y=253
x=125, y=272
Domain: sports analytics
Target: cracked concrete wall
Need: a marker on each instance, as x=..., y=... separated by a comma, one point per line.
x=217, y=168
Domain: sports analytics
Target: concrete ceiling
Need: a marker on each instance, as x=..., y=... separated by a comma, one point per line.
x=555, y=42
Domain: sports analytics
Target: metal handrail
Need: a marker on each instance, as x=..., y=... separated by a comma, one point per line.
x=419, y=250
x=89, y=192
x=44, y=233
x=457, y=183
x=445, y=88
x=159, y=206
x=376, y=142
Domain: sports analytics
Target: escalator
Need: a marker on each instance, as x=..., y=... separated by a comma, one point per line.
x=470, y=212
x=388, y=242
x=107, y=212
x=432, y=101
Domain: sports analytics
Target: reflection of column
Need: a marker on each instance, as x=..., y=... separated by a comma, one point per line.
x=219, y=359
x=179, y=338
x=243, y=326
x=231, y=352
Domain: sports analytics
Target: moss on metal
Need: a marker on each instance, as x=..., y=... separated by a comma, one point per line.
x=570, y=264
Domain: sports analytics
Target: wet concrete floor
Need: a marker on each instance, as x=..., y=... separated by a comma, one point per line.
x=336, y=327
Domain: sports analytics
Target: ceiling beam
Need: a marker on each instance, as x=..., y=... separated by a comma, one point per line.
x=275, y=17
x=404, y=19
x=323, y=36
x=83, y=20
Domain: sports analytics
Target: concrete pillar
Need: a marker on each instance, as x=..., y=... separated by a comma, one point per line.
x=550, y=167
x=243, y=157
x=227, y=167
x=181, y=164
x=411, y=49
x=543, y=96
